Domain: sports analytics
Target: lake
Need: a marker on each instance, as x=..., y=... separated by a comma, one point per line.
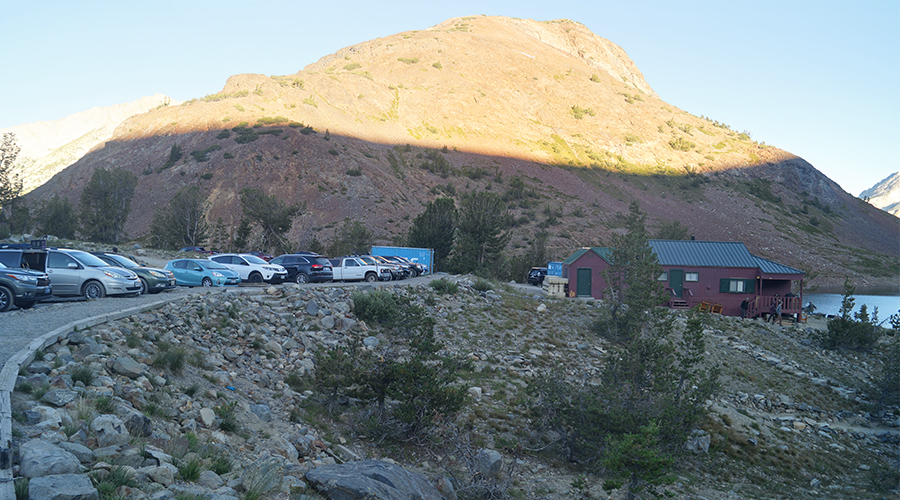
x=830, y=303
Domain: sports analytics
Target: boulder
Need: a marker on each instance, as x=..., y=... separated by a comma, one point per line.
x=488, y=462
x=62, y=487
x=110, y=430
x=40, y=458
x=264, y=475
x=371, y=479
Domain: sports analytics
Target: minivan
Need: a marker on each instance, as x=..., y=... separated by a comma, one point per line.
x=74, y=272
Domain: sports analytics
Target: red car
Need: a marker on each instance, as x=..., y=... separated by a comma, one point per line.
x=262, y=255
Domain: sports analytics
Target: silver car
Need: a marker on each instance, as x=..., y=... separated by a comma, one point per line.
x=74, y=272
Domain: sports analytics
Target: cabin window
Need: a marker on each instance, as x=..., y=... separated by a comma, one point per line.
x=663, y=277
x=728, y=285
x=691, y=276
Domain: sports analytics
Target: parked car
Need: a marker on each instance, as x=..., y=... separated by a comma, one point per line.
x=354, y=269
x=536, y=276
x=307, y=268
x=202, y=272
x=196, y=250
x=22, y=287
x=252, y=269
x=399, y=270
x=74, y=272
x=415, y=269
x=153, y=280
x=262, y=255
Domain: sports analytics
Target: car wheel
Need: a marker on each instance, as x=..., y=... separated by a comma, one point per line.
x=255, y=278
x=301, y=278
x=26, y=304
x=371, y=278
x=6, y=299
x=144, y=287
x=413, y=273
x=207, y=282
x=93, y=290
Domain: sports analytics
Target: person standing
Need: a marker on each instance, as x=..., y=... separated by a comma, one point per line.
x=744, y=306
x=778, y=305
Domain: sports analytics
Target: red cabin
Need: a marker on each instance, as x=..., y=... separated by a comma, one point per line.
x=715, y=276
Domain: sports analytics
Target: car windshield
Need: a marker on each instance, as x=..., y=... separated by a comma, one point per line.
x=322, y=261
x=87, y=259
x=367, y=260
x=124, y=261
x=211, y=264
x=253, y=259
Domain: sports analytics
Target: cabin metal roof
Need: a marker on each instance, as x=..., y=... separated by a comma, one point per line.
x=602, y=252
x=702, y=253
x=770, y=267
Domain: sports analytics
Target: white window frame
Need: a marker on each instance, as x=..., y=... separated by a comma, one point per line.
x=689, y=275
x=664, y=276
x=736, y=286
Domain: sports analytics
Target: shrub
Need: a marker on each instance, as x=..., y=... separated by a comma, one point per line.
x=271, y=120
x=374, y=306
x=578, y=112
x=437, y=65
x=83, y=374
x=408, y=60
x=203, y=154
x=681, y=144
x=207, y=176
x=444, y=286
x=482, y=285
x=189, y=470
x=354, y=172
x=224, y=134
x=855, y=332
x=108, y=482
x=171, y=360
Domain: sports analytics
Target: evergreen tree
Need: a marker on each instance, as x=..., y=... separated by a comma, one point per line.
x=273, y=217
x=57, y=217
x=434, y=228
x=105, y=204
x=481, y=232
x=10, y=184
x=183, y=222
x=352, y=238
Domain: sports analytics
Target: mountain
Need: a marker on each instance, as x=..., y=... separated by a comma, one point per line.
x=375, y=131
x=886, y=194
x=50, y=147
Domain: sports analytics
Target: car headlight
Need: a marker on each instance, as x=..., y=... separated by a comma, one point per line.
x=158, y=274
x=218, y=274
x=24, y=278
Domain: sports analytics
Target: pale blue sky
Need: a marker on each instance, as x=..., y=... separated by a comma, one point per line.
x=820, y=79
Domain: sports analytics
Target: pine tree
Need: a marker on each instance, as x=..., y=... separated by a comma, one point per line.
x=434, y=228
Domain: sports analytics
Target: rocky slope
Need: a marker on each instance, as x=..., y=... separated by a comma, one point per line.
x=50, y=147
x=791, y=421
x=885, y=195
x=375, y=131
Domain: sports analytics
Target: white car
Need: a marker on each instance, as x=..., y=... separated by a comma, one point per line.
x=251, y=268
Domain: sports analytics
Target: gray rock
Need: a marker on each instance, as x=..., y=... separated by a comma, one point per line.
x=698, y=442
x=40, y=458
x=128, y=367
x=262, y=411
x=327, y=322
x=264, y=475
x=59, y=397
x=371, y=341
x=110, y=430
x=371, y=479
x=488, y=462
x=210, y=479
x=43, y=416
x=81, y=452
x=62, y=487
x=312, y=308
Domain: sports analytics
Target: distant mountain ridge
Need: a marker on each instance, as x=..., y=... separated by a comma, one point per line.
x=49, y=147
x=885, y=194
x=377, y=130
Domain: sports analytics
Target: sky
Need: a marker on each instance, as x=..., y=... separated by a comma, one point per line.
x=820, y=79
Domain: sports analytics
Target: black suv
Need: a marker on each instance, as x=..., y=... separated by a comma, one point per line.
x=536, y=276
x=305, y=267
x=22, y=287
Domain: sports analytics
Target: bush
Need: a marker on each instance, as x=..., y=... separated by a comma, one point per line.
x=444, y=286
x=855, y=332
x=374, y=306
x=482, y=285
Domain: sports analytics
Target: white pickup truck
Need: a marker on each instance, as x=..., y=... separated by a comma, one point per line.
x=353, y=268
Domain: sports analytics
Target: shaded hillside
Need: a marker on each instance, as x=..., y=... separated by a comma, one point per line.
x=377, y=130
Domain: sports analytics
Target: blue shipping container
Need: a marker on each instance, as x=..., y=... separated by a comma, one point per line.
x=554, y=269
x=424, y=256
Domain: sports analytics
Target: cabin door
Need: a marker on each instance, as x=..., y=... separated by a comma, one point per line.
x=584, y=282
x=676, y=282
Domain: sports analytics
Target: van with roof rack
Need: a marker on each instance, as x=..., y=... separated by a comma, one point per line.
x=74, y=272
